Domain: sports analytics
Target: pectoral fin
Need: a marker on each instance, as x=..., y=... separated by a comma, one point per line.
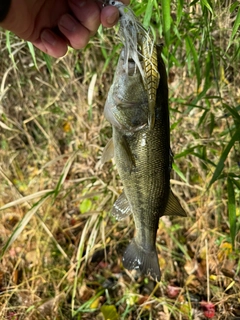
x=174, y=207
x=108, y=152
x=121, y=208
x=127, y=155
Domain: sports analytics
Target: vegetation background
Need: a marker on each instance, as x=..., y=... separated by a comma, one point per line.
x=60, y=248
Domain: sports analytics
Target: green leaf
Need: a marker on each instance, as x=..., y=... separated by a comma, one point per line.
x=191, y=49
x=220, y=165
x=187, y=151
x=233, y=6
x=179, y=172
x=86, y=205
x=231, y=210
x=202, y=118
x=235, y=28
x=179, y=11
x=148, y=14
x=32, y=51
x=233, y=111
x=236, y=182
x=207, y=4
x=48, y=61
x=109, y=312
x=166, y=20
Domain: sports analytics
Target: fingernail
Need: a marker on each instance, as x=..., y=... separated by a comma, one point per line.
x=48, y=37
x=79, y=3
x=112, y=19
x=68, y=23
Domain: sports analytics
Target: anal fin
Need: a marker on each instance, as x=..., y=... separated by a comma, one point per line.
x=174, y=207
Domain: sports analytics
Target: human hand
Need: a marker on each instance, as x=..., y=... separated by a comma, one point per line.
x=52, y=25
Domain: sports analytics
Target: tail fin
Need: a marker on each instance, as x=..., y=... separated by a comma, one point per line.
x=135, y=257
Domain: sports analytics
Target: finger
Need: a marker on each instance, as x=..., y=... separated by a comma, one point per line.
x=109, y=16
x=87, y=12
x=77, y=35
x=51, y=44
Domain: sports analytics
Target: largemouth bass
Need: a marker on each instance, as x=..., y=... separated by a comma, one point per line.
x=143, y=159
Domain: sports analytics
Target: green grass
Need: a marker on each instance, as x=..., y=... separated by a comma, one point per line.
x=61, y=249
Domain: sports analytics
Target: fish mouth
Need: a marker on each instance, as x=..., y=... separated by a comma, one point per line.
x=129, y=66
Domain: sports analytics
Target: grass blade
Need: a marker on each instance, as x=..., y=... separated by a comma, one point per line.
x=233, y=112
x=32, y=52
x=186, y=152
x=86, y=307
x=207, y=4
x=22, y=224
x=64, y=173
x=166, y=20
x=237, y=183
x=179, y=11
x=9, y=47
x=26, y=199
x=220, y=165
x=148, y=14
x=235, y=28
x=179, y=172
x=190, y=48
x=88, y=226
x=207, y=81
x=231, y=210
x=48, y=61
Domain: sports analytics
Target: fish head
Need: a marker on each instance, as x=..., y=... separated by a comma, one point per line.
x=127, y=103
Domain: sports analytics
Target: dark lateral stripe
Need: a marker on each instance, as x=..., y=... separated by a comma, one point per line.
x=4, y=8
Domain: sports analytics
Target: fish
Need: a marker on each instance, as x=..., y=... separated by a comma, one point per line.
x=143, y=158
